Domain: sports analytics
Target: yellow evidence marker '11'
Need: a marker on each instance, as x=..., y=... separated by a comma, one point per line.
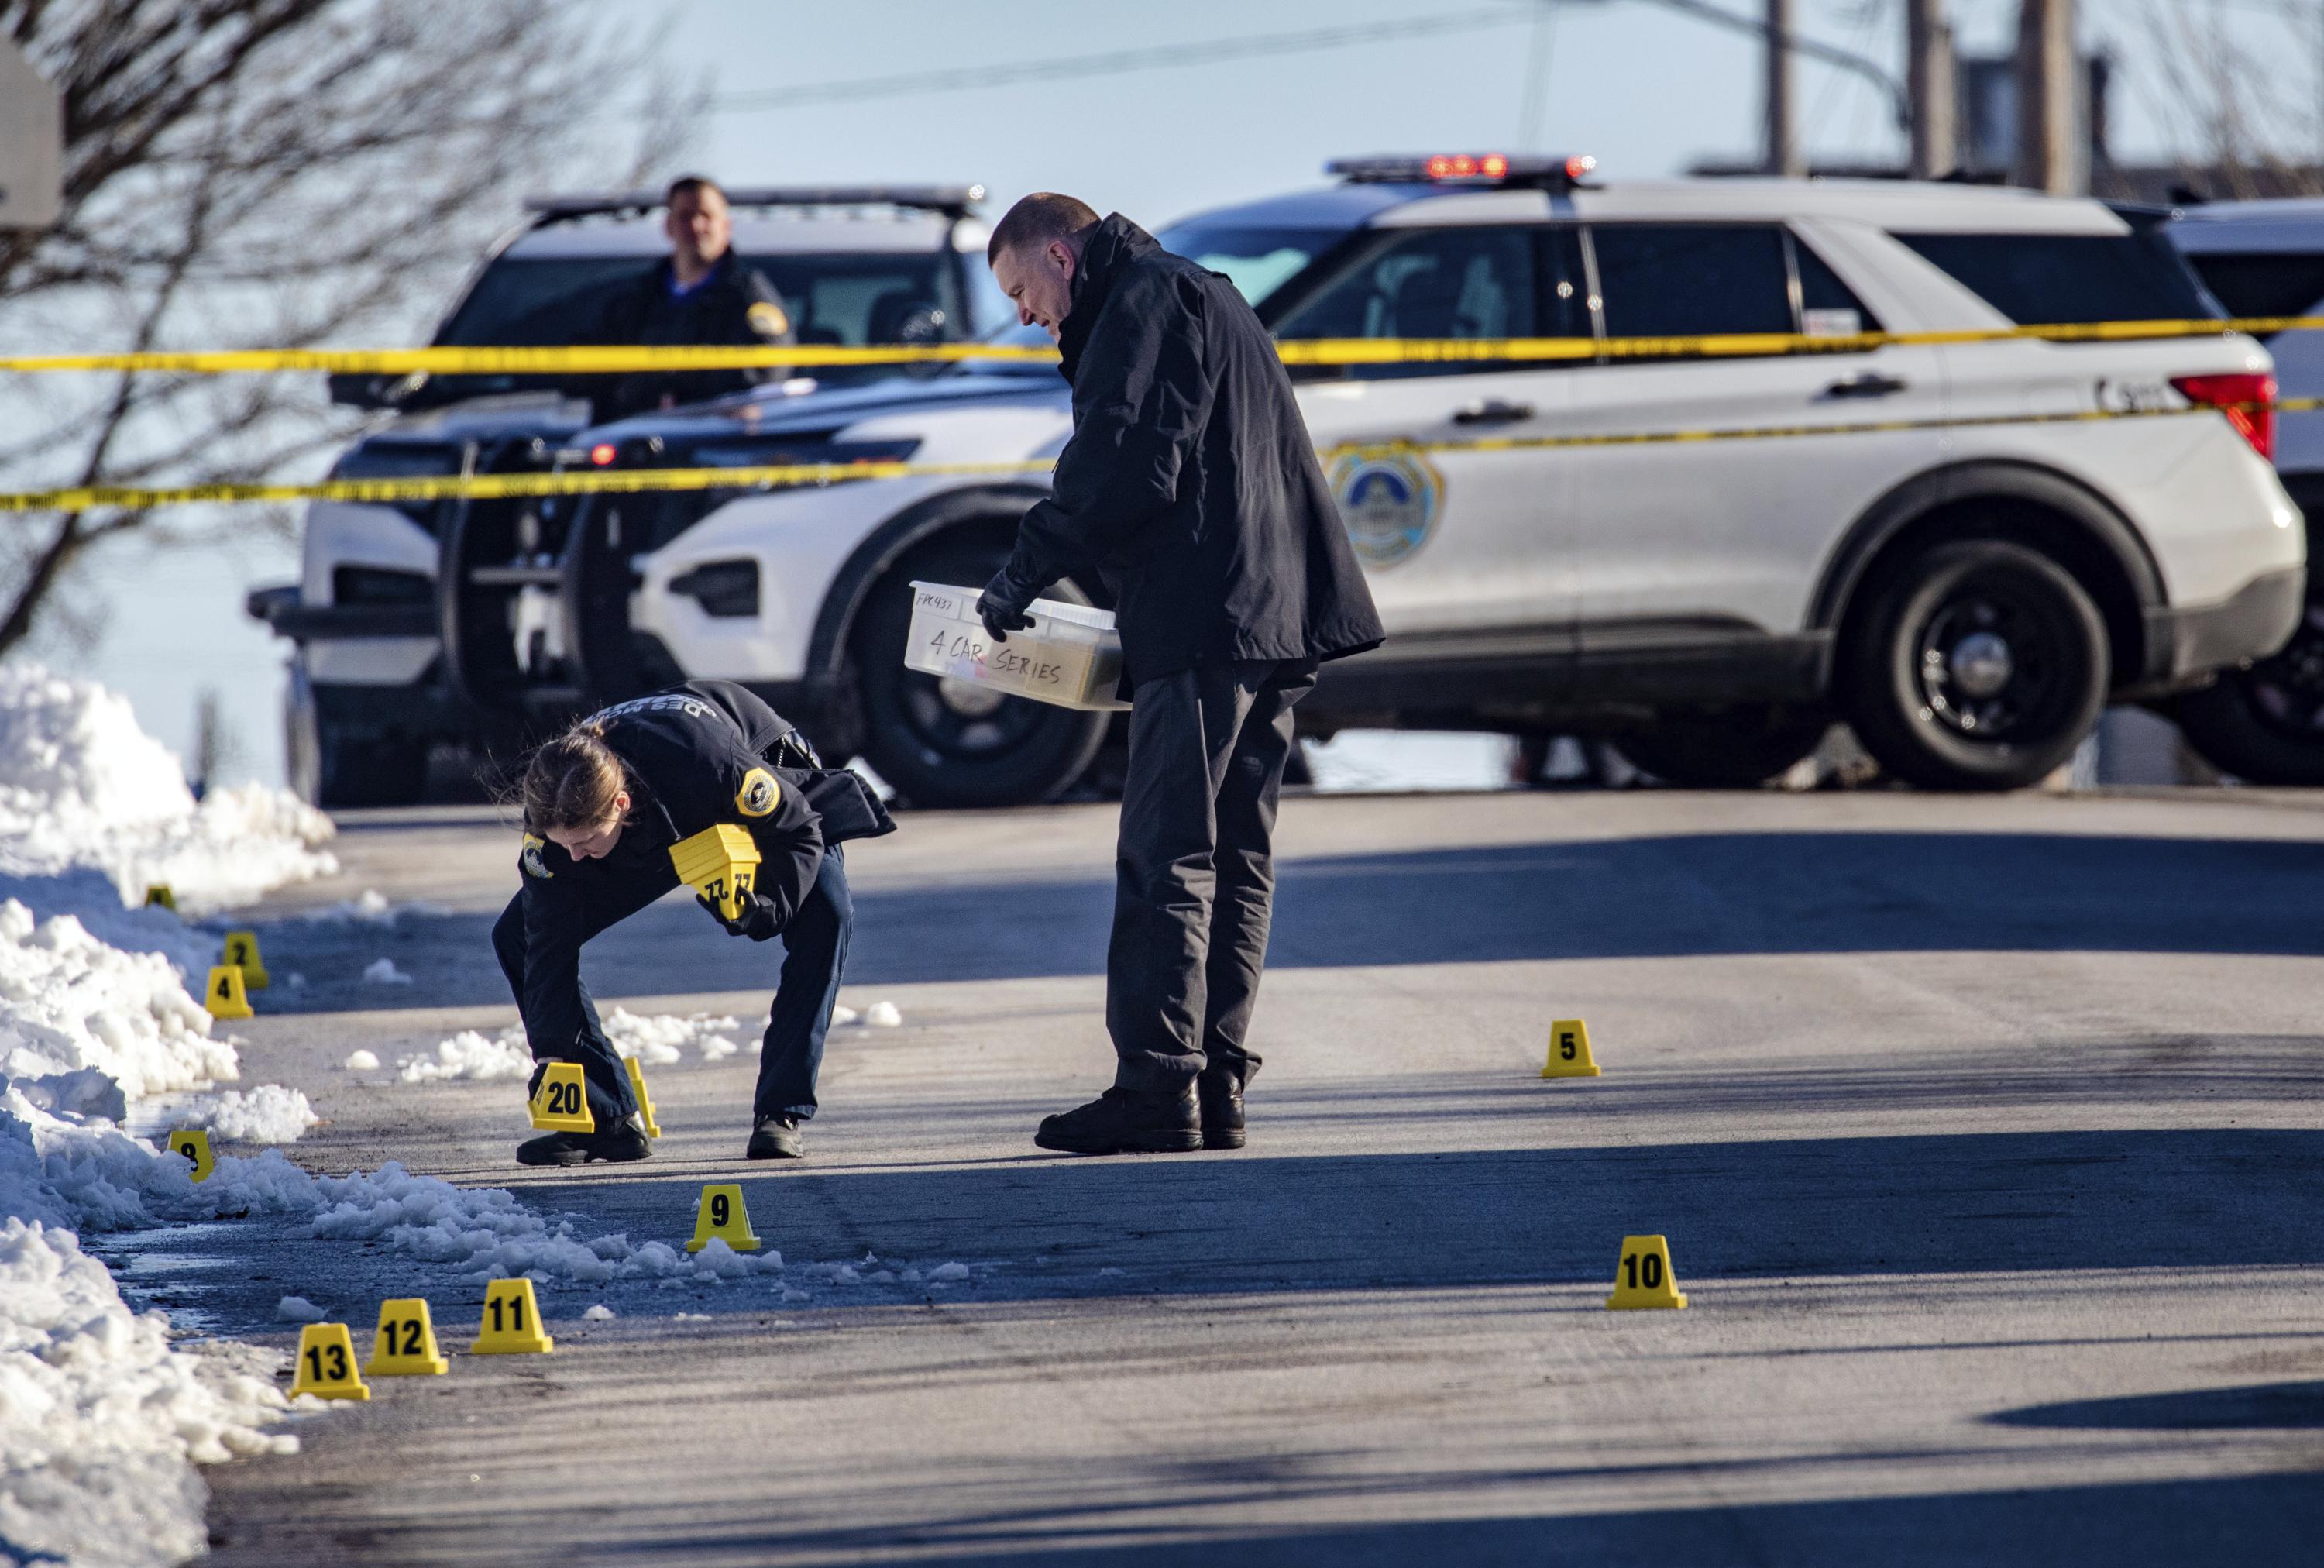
x=404, y=1344
x=721, y=863
x=242, y=953
x=645, y=1101
x=194, y=1143
x=512, y=1325
x=561, y=1104
x=327, y=1363
x=1643, y=1278
x=1569, y=1051
x=225, y=996
x=721, y=1217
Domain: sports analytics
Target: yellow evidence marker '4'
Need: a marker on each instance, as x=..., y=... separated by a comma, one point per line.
x=721, y=863
x=405, y=1344
x=721, y=1217
x=327, y=1363
x=1643, y=1278
x=194, y=1143
x=561, y=1104
x=242, y=953
x=512, y=1325
x=645, y=1101
x=225, y=996
x=1569, y=1051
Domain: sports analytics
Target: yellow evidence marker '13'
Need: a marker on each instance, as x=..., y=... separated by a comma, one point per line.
x=512, y=1325
x=1569, y=1051
x=721, y=1217
x=242, y=953
x=721, y=863
x=225, y=996
x=1643, y=1278
x=405, y=1344
x=327, y=1363
x=561, y=1104
x=194, y=1143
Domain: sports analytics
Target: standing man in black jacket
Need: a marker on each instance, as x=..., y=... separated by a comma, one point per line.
x=1190, y=487
x=701, y=296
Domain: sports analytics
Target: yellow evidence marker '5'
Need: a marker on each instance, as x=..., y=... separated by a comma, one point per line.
x=561, y=1104
x=194, y=1143
x=721, y=863
x=404, y=1345
x=242, y=953
x=327, y=1363
x=512, y=1325
x=1569, y=1051
x=721, y=1217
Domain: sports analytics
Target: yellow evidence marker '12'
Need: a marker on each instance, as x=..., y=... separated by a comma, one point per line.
x=160, y=894
x=404, y=1344
x=1569, y=1051
x=722, y=1217
x=645, y=1101
x=1643, y=1278
x=512, y=1325
x=194, y=1143
x=327, y=1363
x=242, y=953
x=721, y=863
x=561, y=1104
x=225, y=996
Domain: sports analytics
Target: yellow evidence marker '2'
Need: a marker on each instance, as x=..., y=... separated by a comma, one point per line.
x=225, y=996
x=1569, y=1051
x=1643, y=1278
x=645, y=1101
x=512, y=1325
x=561, y=1104
x=327, y=1363
x=405, y=1344
x=242, y=953
x=721, y=1217
x=721, y=863
x=194, y=1143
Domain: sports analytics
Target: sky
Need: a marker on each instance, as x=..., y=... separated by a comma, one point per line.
x=1649, y=91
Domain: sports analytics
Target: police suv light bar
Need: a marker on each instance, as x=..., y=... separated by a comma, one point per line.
x=953, y=199
x=1464, y=169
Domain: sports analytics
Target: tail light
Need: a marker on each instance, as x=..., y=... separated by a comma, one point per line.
x=2248, y=401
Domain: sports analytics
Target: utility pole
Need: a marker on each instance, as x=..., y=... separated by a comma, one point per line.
x=1784, y=154
x=2047, y=156
x=1929, y=82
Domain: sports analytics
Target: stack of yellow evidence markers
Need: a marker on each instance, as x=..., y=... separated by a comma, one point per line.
x=721, y=863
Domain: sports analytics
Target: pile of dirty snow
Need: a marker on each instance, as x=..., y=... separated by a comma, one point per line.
x=68, y=1001
x=655, y=1039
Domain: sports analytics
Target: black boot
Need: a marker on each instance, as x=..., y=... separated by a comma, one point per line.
x=776, y=1138
x=1221, y=1098
x=624, y=1141
x=1126, y=1121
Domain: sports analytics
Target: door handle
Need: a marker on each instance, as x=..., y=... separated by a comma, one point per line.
x=1493, y=411
x=1870, y=384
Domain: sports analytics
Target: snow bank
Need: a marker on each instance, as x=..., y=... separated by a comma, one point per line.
x=268, y=1113
x=657, y=1039
x=469, y=1056
x=68, y=1001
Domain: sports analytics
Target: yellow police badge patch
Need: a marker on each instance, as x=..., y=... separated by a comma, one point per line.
x=767, y=319
x=530, y=858
x=759, y=793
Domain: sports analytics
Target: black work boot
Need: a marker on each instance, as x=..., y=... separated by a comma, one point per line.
x=1126, y=1121
x=1221, y=1098
x=624, y=1141
x=776, y=1138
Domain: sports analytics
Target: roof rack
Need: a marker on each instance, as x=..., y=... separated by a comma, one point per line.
x=952, y=200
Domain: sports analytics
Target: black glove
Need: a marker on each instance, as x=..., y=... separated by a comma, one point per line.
x=1002, y=606
x=756, y=921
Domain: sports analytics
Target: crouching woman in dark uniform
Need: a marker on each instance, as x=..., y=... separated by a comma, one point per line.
x=603, y=805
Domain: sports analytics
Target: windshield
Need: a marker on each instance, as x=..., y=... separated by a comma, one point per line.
x=1258, y=260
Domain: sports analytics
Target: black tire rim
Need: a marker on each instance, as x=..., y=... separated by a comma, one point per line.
x=2287, y=688
x=955, y=722
x=1992, y=663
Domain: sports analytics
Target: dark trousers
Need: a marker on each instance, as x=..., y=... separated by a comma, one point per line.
x=1194, y=869
x=815, y=952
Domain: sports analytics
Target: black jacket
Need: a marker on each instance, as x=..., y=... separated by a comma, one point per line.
x=1190, y=484
x=697, y=755
x=733, y=304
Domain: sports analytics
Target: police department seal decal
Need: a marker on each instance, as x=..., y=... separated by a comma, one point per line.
x=1389, y=498
x=758, y=793
x=534, y=866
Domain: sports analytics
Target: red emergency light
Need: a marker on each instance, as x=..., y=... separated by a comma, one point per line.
x=1465, y=169
x=604, y=453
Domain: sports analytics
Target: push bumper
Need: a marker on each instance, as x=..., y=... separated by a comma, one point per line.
x=280, y=608
x=2254, y=621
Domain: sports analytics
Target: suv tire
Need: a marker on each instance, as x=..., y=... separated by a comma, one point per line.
x=334, y=767
x=2265, y=725
x=940, y=745
x=1975, y=664
x=1734, y=749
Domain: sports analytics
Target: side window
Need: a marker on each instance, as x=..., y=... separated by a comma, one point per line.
x=1692, y=280
x=2262, y=284
x=1828, y=307
x=1461, y=282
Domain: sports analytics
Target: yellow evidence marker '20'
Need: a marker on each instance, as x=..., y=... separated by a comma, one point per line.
x=242, y=953
x=721, y=863
x=1569, y=1051
x=194, y=1143
x=512, y=1325
x=327, y=1363
x=645, y=1101
x=721, y=1217
x=1643, y=1278
x=561, y=1104
x=404, y=1344
x=225, y=996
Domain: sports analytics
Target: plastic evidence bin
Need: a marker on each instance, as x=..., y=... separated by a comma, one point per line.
x=1068, y=656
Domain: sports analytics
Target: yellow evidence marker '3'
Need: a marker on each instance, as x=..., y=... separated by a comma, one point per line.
x=225, y=996
x=194, y=1143
x=645, y=1101
x=327, y=1363
x=242, y=953
x=1643, y=1278
x=512, y=1325
x=561, y=1104
x=721, y=1217
x=721, y=863
x=405, y=1344
x=1569, y=1051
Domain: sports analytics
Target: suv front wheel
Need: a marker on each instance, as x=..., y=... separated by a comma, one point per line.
x=1974, y=665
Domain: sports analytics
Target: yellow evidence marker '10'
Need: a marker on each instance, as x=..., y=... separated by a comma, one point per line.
x=645, y=1101
x=722, y=1217
x=160, y=894
x=721, y=863
x=194, y=1143
x=561, y=1104
x=405, y=1344
x=512, y=1325
x=225, y=996
x=1643, y=1278
x=327, y=1363
x=1569, y=1051
x=242, y=953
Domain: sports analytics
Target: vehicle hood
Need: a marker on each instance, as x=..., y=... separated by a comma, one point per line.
x=818, y=412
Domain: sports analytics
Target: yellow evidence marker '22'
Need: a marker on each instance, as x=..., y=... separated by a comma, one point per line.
x=327, y=1364
x=1643, y=1278
x=561, y=1103
x=404, y=1344
x=1569, y=1051
x=242, y=953
x=721, y=1217
x=721, y=863
x=512, y=1325
x=225, y=996
x=194, y=1143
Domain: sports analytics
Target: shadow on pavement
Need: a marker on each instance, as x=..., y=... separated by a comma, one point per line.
x=2281, y=1407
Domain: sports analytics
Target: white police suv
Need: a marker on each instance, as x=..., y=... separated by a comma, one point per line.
x=1646, y=549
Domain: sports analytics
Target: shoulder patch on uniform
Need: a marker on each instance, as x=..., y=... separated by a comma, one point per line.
x=759, y=793
x=530, y=859
x=767, y=319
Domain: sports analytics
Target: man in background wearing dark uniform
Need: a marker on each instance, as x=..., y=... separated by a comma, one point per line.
x=701, y=296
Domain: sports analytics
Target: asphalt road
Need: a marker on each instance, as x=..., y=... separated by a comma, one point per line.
x=1985, y=1132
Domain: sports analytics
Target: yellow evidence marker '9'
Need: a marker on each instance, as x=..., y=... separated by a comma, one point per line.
x=1643, y=1278
x=512, y=1325
x=721, y=863
x=1569, y=1051
x=327, y=1363
x=721, y=1217
x=225, y=996
x=194, y=1143
x=242, y=953
x=645, y=1101
x=561, y=1104
x=405, y=1344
